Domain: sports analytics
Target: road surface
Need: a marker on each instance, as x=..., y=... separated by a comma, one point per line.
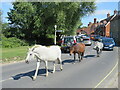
x=86, y=74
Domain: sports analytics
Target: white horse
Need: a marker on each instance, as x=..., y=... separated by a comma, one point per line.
x=45, y=54
x=98, y=47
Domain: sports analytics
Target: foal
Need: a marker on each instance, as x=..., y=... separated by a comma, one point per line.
x=78, y=48
x=98, y=47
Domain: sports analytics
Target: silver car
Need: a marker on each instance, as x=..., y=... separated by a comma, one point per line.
x=87, y=41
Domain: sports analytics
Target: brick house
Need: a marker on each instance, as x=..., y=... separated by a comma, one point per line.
x=115, y=29
x=109, y=27
x=104, y=28
x=90, y=29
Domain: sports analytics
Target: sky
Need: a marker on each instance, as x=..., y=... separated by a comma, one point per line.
x=103, y=7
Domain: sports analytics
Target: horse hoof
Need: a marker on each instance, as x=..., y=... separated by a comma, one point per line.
x=34, y=78
x=73, y=63
x=46, y=75
x=53, y=72
x=61, y=69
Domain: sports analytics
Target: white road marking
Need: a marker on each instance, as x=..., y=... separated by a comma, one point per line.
x=106, y=75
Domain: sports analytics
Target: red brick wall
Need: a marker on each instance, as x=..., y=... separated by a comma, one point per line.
x=107, y=30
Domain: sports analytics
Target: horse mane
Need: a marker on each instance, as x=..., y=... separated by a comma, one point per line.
x=35, y=46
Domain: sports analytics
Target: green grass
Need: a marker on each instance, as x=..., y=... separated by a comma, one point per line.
x=13, y=54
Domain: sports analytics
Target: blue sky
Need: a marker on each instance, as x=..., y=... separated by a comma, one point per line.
x=101, y=12
x=103, y=8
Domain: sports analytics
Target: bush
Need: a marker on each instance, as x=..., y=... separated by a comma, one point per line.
x=12, y=42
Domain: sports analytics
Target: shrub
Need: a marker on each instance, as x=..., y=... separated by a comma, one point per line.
x=12, y=42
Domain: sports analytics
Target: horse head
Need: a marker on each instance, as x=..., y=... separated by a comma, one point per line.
x=71, y=49
x=30, y=55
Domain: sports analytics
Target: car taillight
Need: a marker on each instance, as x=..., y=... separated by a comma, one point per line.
x=74, y=41
x=62, y=41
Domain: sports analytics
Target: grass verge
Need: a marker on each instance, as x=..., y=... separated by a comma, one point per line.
x=13, y=54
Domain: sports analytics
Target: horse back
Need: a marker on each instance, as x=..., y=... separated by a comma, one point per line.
x=79, y=47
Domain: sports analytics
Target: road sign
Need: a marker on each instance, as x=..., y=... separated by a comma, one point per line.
x=59, y=30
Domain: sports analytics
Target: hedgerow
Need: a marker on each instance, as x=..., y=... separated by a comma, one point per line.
x=12, y=42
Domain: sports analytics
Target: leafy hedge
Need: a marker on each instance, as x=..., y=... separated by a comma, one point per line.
x=12, y=42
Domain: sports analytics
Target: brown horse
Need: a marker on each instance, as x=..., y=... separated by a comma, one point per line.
x=78, y=48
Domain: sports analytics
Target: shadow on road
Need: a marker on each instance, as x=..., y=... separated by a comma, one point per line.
x=68, y=61
x=29, y=74
x=72, y=61
x=89, y=56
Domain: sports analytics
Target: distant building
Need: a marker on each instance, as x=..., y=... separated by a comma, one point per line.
x=109, y=27
x=90, y=29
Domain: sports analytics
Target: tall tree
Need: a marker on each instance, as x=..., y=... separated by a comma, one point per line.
x=36, y=20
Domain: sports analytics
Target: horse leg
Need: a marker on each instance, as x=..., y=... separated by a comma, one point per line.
x=79, y=57
x=61, y=68
x=100, y=50
x=74, y=57
x=38, y=64
x=46, y=66
x=97, y=49
x=98, y=53
x=54, y=67
x=82, y=54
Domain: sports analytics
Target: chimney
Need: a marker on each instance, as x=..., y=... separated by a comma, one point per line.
x=89, y=23
x=115, y=11
x=108, y=15
x=95, y=20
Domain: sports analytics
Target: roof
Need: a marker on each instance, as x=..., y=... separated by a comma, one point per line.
x=107, y=19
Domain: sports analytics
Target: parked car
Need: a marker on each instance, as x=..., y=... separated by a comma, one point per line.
x=108, y=43
x=68, y=41
x=87, y=41
x=97, y=37
x=92, y=37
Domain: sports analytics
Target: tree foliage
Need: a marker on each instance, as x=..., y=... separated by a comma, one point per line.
x=35, y=20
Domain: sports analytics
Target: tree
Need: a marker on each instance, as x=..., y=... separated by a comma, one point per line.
x=36, y=20
x=0, y=20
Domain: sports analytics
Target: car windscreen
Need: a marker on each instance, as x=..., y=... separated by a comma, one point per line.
x=79, y=40
x=68, y=39
x=86, y=39
x=108, y=41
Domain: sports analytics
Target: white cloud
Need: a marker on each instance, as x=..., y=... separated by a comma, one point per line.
x=106, y=1
x=102, y=12
x=7, y=0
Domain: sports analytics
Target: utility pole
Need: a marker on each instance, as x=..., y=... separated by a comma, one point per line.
x=55, y=35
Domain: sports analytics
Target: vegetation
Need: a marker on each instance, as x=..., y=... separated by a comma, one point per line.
x=12, y=42
x=13, y=54
x=34, y=21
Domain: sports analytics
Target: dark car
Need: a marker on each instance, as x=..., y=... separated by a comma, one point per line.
x=97, y=37
x=92, y=37
x=108, y=43
x=68, y=41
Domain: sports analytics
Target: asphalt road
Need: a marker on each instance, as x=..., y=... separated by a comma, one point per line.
x=86, y=74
